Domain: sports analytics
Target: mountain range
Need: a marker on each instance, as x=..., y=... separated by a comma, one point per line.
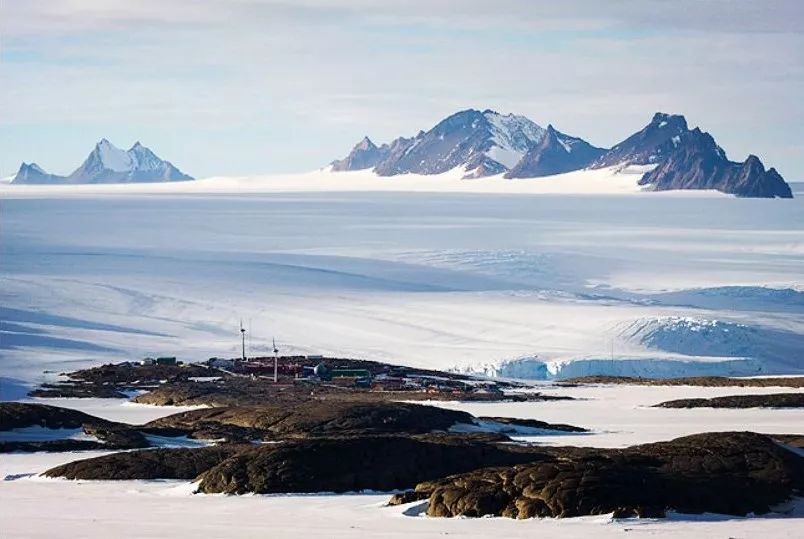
x=108, y=164
x=488, y=143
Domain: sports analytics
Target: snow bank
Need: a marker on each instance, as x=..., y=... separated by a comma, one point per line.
x=648, y=367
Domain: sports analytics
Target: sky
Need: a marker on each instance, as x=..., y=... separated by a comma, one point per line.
x=232, y=87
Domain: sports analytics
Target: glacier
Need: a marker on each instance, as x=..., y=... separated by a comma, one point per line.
x=499, y=278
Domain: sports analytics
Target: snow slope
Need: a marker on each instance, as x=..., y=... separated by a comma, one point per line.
x=613, y=180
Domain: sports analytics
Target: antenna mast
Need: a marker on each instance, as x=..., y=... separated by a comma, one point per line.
x=276, y=351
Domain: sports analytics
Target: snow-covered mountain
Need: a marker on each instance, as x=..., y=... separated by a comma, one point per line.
x=691, y=159
x=109, y=164
x=33, y=173
x=484, y=143
x=489, y=143
x=699, y=163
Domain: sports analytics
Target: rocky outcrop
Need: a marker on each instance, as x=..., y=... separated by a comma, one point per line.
x=150, y=464
x=322, y=419
x=652, y=144
x=516, y=423
x=555, y=154
x=15, y=415
x=317, y=465
x=772, y=400
x=109, y=435
x=698, y=163
x=353, y=464
x=325, y=418
x=730, y=473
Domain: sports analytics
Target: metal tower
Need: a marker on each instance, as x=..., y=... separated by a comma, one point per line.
x=243, y=337
x=276, y=359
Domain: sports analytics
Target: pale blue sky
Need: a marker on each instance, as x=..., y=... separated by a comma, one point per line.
x=250, y=86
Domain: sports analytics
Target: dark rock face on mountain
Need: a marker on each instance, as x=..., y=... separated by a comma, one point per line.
x=484, y=143
x=364, y=155
x=651, y=145
x=690, y=159
x=699, y=163
x=733, y=473
x=109, y=164
x=555, y=154
x=772, y=400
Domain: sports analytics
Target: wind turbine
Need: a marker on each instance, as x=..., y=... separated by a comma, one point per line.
x=243, y=337
x=276, y=351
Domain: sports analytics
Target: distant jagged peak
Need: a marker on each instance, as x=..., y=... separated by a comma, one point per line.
x=32, y=166
x=697, y=162
x=365, y=144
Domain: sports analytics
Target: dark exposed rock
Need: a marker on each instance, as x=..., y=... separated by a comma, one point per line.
x=130, y=375
x=354, y=464
x=148, y=464
x=241, y=391
x=15, y=415
x=408, y=496
x=116, y=435
x=534, y=424
x=705, y=381
x=690, y=159
x=773, y=400
x=555, y=154
x=51, y=446
x=77, y=391
x=732, y=473
x=650, y=145
x=699, y=163
x=327, y=419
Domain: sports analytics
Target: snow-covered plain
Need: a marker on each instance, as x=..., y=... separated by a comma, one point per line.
x=525, y=278
x=31, y=506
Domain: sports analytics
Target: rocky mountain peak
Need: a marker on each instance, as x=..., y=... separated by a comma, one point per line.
x=649, y=145
x=555, y=153
x=662, y=120
x=699, y=163
x=365, y=144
